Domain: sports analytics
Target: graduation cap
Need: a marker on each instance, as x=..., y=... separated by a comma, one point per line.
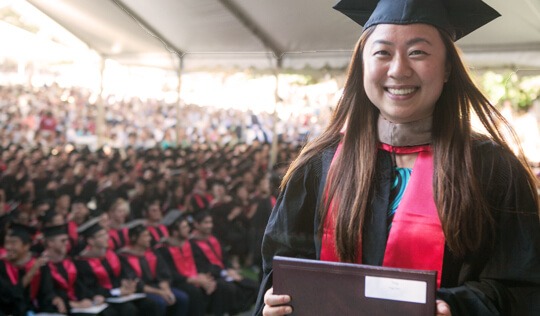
x=90, y=227
x=135, y=227
x=457, y=17
x=52, y=231
x=171, y=217
x=24, y=232
x=48, y=216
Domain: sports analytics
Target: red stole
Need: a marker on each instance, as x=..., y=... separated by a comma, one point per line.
x=135, y=262
x=73, y=235
x=101, y=273
x=273, y=201
x=212, y=250
x=416, y=239
x=72, y=231
x=118, y=238
x=202, y=201
x=183, y=259
x=13, y=274
x=66, y=284
x=158, y=232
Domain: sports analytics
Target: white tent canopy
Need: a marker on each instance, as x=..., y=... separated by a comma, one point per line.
x=261, y=33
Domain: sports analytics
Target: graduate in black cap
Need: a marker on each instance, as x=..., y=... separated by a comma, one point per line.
x=100, y=271
x=63, y=271
x=204, y=292
x=25, y=281
x=211, y=258
x=400, y=178
x=151, y=272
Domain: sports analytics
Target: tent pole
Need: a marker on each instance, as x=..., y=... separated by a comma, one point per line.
x=100, y=120
x=178, y=101
x=275, y=139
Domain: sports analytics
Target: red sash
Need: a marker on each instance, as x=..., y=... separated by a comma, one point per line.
x=13, y=274
x=73, y=235
x=72, y=231
x=200, y=200
x=183, y=259
x=117, y=242
x=273, y=201
x=212, y=250
x=135, y=262
x=66, y=284
x=99, y=270
x=416, y=239
x=114, y=262
x=158, y=232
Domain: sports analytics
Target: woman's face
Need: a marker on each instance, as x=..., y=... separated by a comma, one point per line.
x=120, y=213
x=404, y=70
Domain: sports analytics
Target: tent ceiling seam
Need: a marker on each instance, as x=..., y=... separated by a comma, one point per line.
x=149, y=29
x=259, y=33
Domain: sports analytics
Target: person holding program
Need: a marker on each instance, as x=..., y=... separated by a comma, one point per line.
x=400, y=178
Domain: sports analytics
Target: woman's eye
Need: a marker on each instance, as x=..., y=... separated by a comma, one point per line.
x=417, y=52
x=381, y=53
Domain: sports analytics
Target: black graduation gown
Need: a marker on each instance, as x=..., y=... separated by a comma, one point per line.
x=180, y=261
x=241, y=294
x=100, y=275
x=16, y=299
x=504, y=280
x=150, y=272
x=157, y=233
x=171, y=255
x=118, y=238
x=64, y=277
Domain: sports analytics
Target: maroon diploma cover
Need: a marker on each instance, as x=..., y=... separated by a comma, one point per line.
x=336, y=288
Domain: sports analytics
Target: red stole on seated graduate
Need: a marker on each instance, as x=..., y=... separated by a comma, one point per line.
x=13, y=274
x=135, y=263
x=65, y=282
x=212, y=250
x=416, y=239
x=183, y=259
x=99, y=270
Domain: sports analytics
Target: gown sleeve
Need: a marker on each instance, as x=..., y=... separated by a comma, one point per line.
x=503, y=280
x=291, y=230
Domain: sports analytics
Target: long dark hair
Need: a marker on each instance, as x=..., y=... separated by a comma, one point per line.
x=466, y=220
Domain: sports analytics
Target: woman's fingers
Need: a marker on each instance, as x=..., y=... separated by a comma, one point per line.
x=443, y=309
x=272, y=304
x=276, y=311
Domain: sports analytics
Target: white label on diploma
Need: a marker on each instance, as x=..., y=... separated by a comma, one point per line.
x=396, y=289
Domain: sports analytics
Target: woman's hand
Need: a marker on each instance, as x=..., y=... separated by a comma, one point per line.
x=272, y=301
x=443, y=309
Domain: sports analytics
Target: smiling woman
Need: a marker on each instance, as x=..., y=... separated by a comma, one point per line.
x=405, y=69
x=469, y=209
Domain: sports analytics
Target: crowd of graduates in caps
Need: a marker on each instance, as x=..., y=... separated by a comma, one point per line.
x=173, y=231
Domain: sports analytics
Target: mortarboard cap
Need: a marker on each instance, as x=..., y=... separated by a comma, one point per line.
x=26, y=233
x=48, y=216
x=171, y=217
x=53, y=231
x=90, y=227
x=457, y=17
x=136, y=227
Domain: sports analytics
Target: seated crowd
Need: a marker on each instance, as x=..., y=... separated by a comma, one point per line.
x=81, y=229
